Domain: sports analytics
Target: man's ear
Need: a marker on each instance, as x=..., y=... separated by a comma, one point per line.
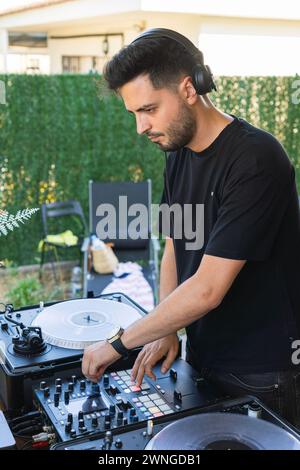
x=187, y=90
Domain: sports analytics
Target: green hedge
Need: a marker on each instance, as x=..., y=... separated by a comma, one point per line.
x=58, y=132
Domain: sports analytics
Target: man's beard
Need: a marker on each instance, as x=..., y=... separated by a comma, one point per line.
x=180, y=132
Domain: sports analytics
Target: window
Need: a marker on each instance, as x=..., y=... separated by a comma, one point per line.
x=71, y=64
x=27, y=39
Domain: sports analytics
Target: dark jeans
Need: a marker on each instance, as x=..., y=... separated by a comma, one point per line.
x=280, y=391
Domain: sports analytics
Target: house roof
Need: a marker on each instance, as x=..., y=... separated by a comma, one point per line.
x=33, y=6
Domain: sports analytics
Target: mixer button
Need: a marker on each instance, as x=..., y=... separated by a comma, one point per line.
x=143, y=399
x=154, y=396
x=164, y=408
x=148, y=404
x=145, y=387
x=159, y=402
x=154, y=409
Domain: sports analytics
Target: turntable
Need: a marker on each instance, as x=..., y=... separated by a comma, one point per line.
x=216, y=431
x=243, y=423
x=38, y=342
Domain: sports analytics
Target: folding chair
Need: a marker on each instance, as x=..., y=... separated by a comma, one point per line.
x=67, y=212
x=143, y=251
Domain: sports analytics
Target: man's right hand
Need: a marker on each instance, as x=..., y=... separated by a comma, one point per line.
x=151, y=354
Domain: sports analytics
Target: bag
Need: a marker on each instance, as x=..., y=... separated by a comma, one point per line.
x=104, y=259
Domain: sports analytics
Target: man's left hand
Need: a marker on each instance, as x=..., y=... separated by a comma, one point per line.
x=97, y=358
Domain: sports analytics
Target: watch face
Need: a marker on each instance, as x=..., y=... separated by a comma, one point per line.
x=114, y=332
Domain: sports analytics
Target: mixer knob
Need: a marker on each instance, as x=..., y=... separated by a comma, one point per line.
x=135, y=419
x=94, y=421
x=125, y=421
x=43, y=385
x=82, y=385
x=132, y=412
x=68, y=427
x=81, y=423
x=105, y=380
x=73, y=379
x=80, y=415
x=70, y=418
x=118, y=444
x=72, y=433
x=56, y=399
x=173, y=374
x=46, y=392
x=113, y=390
x=70, y=387
x=124, y=405
x=107, y=417
x=107, y=424
x=58, y=381
x=112, y=409
x=254, y=410
x=120, y=418
x=95, y=389
x=58, y=389
x=177, y=395
x=67, y=397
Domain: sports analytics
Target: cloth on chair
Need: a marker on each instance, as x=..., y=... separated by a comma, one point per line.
x=66, y=238
x=129, y=279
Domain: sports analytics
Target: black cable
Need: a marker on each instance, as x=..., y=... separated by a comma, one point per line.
x=24, y=417
x=26, y=424
x=27, y=445
x=30, y=430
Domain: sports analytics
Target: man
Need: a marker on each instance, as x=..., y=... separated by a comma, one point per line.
x=238, y=294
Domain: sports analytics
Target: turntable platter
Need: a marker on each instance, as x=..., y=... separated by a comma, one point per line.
x=223, y=431
x=75, y=324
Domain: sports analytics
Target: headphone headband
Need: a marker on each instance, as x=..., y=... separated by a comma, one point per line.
x=170, y=34
x=201, y=76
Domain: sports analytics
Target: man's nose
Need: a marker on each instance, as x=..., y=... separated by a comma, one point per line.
x=142, y=124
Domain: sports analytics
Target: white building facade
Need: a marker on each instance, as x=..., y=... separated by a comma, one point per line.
x=78, y=36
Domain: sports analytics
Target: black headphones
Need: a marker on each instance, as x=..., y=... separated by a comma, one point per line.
x=202, y=77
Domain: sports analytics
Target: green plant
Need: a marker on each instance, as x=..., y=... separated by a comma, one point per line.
x=27, y=291
x=10, y=221
x=56, y=135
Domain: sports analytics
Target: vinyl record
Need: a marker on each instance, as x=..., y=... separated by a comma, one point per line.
x=75, y=324
x=222, y=431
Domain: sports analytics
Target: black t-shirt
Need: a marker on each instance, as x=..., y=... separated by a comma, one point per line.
x=247, y=185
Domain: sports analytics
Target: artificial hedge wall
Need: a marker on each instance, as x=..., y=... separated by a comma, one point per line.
x=58, y=132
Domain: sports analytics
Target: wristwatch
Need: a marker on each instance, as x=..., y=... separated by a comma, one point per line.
x=114, y=339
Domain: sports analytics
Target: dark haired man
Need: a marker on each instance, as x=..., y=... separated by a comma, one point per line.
x=238, y=294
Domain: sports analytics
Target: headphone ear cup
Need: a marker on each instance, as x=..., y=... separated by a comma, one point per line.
x=202, y=79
